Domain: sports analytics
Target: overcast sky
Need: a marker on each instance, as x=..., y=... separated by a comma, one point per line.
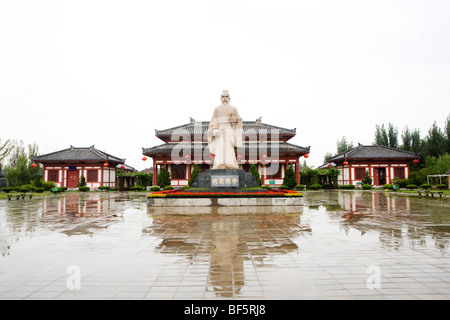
x=109, y=73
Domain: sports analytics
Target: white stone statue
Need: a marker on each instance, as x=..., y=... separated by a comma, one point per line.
x=225, y=134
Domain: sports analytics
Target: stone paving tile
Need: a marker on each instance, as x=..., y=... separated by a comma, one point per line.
x=314, y=254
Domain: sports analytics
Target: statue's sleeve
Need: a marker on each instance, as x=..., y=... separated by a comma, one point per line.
x=211, y=128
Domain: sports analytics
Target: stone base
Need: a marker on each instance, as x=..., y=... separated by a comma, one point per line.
x=246, y=179
x=230, y=202
x=225, y=210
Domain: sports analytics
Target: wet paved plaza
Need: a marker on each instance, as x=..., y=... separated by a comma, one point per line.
x=338, y=245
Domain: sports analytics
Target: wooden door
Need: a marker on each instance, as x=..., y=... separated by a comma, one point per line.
x=376, y=181
x=72, y=178
x=382, y=176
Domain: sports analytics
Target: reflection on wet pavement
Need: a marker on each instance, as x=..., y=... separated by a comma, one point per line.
x=322, y=250
x=227, y=244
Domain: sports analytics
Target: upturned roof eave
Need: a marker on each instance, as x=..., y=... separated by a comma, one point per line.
x=63, y=157
x=351, y=154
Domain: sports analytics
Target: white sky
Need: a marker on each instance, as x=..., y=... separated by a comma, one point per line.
x=111, y=72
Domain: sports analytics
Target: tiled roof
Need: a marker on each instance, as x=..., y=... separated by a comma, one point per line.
x=126, y=167
x=78, y=154
x=325, y=165
x=373, y=152
x=248, y=127
x=202, y=148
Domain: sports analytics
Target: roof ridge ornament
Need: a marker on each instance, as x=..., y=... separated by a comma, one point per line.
x=259, y=120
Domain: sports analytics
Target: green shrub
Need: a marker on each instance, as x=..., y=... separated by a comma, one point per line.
x=425, y=186
x=254, y=172
x=367, y=186
x=62, y=189
x=155, y=188
x=347, y=187
x=82, y=182
x=367, y=179
x=106, y=188
x=266, y=187
x=137, y=188
x=387, y=186
x=48, y=185
x=39, y=190
x=24, y=188
x=185, y=187
x=194, y=174
x=418, y=177
x=164, y=178
x=9, y=189
x=315, y=186
x=283, y=187
x=401, y=183
x=411, y=186
x=83, y=189
x=289, y=178
x=300, y=187
x=441, y=186
x=168, y=188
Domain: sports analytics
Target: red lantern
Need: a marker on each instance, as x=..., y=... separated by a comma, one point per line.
x=212, y=156
x=106, y=164
x=329, y=165
x=416, y=161
x=306, y=155
x=187, y=157
x=345, y=163
x=144, y=158
x=34, y=165
x=122, y=167
x=239, y=156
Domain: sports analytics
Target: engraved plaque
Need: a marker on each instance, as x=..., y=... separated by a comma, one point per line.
x=230, y=180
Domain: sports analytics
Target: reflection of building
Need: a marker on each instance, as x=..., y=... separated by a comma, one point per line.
x=66, y=167
x=373, y=202
x=383, y=163
x=80, y=205
x=265, y=146
x=395, y=221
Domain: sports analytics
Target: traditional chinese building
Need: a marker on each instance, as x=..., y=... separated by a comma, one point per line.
x=264, y=145
x=383, y=163
x=65, y=167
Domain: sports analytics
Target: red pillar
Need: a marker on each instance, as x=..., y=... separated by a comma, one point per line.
x=297, y=171
x=155, y=173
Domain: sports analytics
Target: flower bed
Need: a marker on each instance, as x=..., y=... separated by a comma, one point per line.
x=211, y=194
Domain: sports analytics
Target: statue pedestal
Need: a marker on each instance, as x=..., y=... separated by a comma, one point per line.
x=225, y=180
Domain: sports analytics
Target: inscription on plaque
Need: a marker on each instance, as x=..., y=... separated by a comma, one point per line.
x=224, y=181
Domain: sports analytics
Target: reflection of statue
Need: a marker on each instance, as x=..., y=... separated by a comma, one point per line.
x=225, y=134
x=232, y=246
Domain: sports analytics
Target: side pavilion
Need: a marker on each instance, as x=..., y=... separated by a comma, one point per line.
x=383, y=163
x=65, y=167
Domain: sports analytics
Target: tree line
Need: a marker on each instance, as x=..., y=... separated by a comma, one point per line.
x=17, y=162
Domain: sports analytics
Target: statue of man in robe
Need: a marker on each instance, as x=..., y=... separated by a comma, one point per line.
x=225, y=134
